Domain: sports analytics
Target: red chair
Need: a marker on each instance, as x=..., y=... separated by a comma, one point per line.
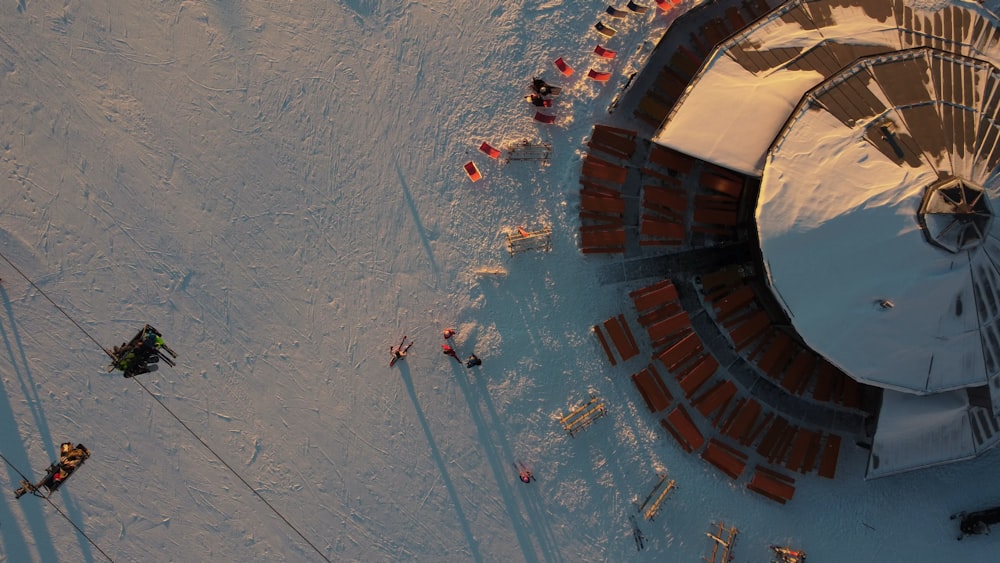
x=606, y=53
x=539, y=116
x=599, y=76
x=664, y=5
x=472, y=171
x=605, y=30
x=563, y=67
x=492, y=152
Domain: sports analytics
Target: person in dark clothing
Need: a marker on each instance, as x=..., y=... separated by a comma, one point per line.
x=473, y=361
x=539, y=86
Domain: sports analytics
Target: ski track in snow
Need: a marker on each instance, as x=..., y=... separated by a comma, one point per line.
x=278, y=188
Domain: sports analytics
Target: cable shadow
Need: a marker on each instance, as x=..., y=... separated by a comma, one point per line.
x=404, y=372
x=504, y=474
x=27, y=381
x=416, y=219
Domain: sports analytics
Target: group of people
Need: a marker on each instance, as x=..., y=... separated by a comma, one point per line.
x=134, y=358
x=541, y=93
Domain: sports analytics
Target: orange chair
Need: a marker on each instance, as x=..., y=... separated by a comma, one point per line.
x=472, y=171
x=563, y=67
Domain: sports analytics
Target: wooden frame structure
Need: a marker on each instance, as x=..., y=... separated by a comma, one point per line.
x=583, y=416
x=522, y=240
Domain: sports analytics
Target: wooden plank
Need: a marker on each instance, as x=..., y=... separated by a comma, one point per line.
x=681, y=352
x=726, y=459
x=604, y=344
x=602, y=204
x=741, y=298
x=800, y=446
x=770, y=439
x=767, y=485
x=654, y=296
x=662, y=229
x=799, y=371
x=812, y=450
x=831, y=451
x=652, y=389
x=628, y=333
x=744, y=420
x=720, y=184
x=662, y=312
x=698, y=374
x=777, y=355
x=750, y=330
x=669, y=327
x=720, y=394
x=670, y=159
x=619, y=339
x=683, y=429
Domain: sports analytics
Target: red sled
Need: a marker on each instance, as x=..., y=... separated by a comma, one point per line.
x=490, y=151
x=563, y=67
x=599, y=76
x=539, y=116
x=472, y=171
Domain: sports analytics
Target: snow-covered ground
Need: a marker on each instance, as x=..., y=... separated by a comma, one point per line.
x=278, y=188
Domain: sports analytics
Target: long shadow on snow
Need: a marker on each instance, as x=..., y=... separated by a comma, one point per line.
x=404, y=372
x=504, y=474
x=13, y=449
x=416, y=219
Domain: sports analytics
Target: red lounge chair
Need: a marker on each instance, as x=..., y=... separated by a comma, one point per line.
x=606, y=53
x=599, y=76
x=492, y=152
x=563, y=67
x=664, y=5
x=472, y=171
x=539, y=116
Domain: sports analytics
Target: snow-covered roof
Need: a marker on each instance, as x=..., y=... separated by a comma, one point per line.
x=842, y=233
x=920, y=431
x=748, y=86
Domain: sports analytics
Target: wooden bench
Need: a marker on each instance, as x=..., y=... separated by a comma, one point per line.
x=604, y=344
x=799, y=372
x=670, y=159
x=727, y=459
x=722, y=185
x=682, y=428
x=738, y=300
x=717, y=397
x=653, y=296
x=772, y=485
x=667, y=328
x=831, y=451
x=661, y=232
x=617, y=328
x=681, y=352
x=743, y=421
x=695, y=376
x=751, y=329
x=800, y=447
x=652, y=389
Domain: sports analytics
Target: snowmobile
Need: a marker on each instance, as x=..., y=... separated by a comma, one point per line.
x=134, y=357
x=978, y=522
x=70, y=460
x=787, y=555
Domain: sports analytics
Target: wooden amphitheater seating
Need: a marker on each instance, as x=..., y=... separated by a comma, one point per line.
x=604, y=344
x=831, y=451
x=757, y=429
x=752, y=328
x=736, y=21
x=652, y=389
x=772, y=485
x=812, y=452
x=721, y=184
x=670, y=329
x=727, y=306
x=720, y=282
x=670, y=159
x=666, y=201
x=661, y=232
x=656, y=315
x=685, y=63
x=681, y=352
x=727, y=459
x=652, y=110
x=799, y=372
x=668, y=85
x=614, y=141
x=600, y=169
x=717, y=398
x=742, y=422
x=683, y=429
x=602, y=241
x=692, y=378
x=602, y=204
x=756, y=8
x=774, y=432
x=777, y=354
x=653, y=296
x=800, y=447
x=621, y=336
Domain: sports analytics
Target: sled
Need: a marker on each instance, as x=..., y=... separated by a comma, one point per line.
x=50, y=483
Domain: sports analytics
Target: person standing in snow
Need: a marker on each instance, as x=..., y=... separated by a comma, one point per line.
x=449, y=351
x=448, y=333
x=473, y=361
